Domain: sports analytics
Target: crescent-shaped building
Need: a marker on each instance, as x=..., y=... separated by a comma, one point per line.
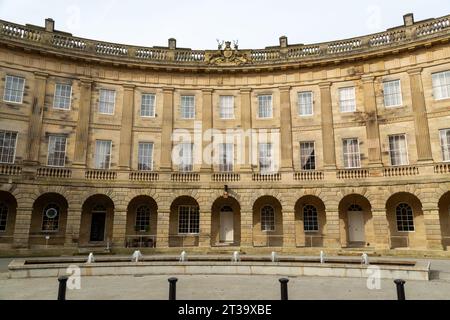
x=337, y=146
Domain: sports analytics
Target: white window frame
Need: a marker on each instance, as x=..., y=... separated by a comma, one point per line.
x=351, y=154
x=446, y=75
x=70, y=97
x=96, y=154
x=270, y=151
x=274, y=219
x=48, y=150
x=151, y=156
x=190, y=115
x=140, y=220
x=316, y=218
x=342, y=101
x=445, y=149
x=300, y=104
x=5, y=89
x=269, y=115
x=107, y=102
x=154, y=105
x=190, y=213
x=15, y=147
x=190, y=164
x=406, y=149
x=230, y=114
x=301, y=155
x=413, y=218
x=398, y=94
x=58, y=217
x=223, y=154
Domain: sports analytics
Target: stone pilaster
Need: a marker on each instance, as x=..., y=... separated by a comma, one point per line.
x=126, y=145
x=246, y=124
x=119, y=227
x=162, y=234
x=73, y=225
x=205, y=229
x=167, y=130
x=82, y=130
x=207, y=124
x=372, y=128
x=246, y=228
x=381, y=228
x=37, y=115
x=423, y=141
x=433, y=228
x=329, y=149
x=22, y=226
x=289, y=240
x=286, y=129
x=332, y=232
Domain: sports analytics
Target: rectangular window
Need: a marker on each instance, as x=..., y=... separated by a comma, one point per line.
x=307, y=156
x=107, y=102
x=14, y=88
x=266, y=164
x=398, y=150
x=103, y=154
x=392, y=93
x=305, y=103
x=188, y=220
x=441, y=85
x=186, y=157
x=347, y=99
x=187, y=107
x=145, y=156
x=226, y=157
x=226, y=107
x=63, y=96
x=265, y=109
x=8, y=142
x=445, y=144
x=148, y=105
x=352, y=156
x=56, y=151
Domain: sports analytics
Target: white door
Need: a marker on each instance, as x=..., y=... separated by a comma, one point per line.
x=356, y=226
x=226, y=227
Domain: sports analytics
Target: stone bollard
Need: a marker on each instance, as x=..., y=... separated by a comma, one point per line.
x=173, y=289
x=400, y=289
x=284, y=288
x=62, y=287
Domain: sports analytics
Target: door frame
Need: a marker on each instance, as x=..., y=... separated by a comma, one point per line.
x=351, y=223
x=104, y=226
x=230, y=217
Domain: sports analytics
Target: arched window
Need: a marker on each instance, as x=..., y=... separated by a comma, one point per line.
x=188, y=220
x=405, y=218
x=267, y=219
x=310, y=220
x=3, y=216
x=143, y=219
x=50, y=220
x=355, y=208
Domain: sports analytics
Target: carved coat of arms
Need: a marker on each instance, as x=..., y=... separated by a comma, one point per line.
x=228, y=55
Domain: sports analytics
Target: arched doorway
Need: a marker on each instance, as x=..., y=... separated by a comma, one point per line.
x=310, y=222
x=444, y=217
x=184, y=222
x=226, y=222
x=142, y=218
x=8, y=208
x=97, y=221
x=267, y=222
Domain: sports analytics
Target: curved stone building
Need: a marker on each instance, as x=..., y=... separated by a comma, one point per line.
x=358, y=154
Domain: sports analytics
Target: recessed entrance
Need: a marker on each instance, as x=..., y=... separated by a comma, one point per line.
x=226, y=225
x=98, y=224
x=356, y=224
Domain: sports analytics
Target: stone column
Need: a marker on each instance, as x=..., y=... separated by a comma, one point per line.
x=372, y=129
x=433, y=228
x=73, y=225
x=420, y=117
x=205, y=228
x=329, y=149
x=332, y=233
x=126, y=130
x=381, y=228
x=119, y=227
x=286, y=129
x=82, y=130
x=22, y=226
x=167, y=129
x=246, y=124
x=207, y=124
x=37, y=115
x=162, y=234
x=247, y=228
x=289, y=240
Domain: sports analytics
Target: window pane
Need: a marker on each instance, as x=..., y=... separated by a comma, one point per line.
x=63, y=95
x=50, y=220
x=405, y=218
x=265, y=106
x=14, y=88
x=347, y=99
x=3, y=216
x=307, y=156
x=267, y=219
x=352, y=156
x=441, y=85
x=398, y=150
x=142, y=219
x=186, y=157
x=226, y=157
x=445, y=144
x=392, y=93
x=148, y=105
x=8, y=143
x=227, y=107
x=266, y=163
x=103, y=154
x=310, y=220
x=305, y=103
x=188, y=220
x=187, y=107
x=145, y=156
x=56, y=151
x=107, y=101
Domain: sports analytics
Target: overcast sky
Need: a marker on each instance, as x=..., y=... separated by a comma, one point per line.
x=198, y=23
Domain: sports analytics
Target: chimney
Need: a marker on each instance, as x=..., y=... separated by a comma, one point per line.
x=49, y=25
x=408, y=19
x=283, y=42
x=172, y=43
